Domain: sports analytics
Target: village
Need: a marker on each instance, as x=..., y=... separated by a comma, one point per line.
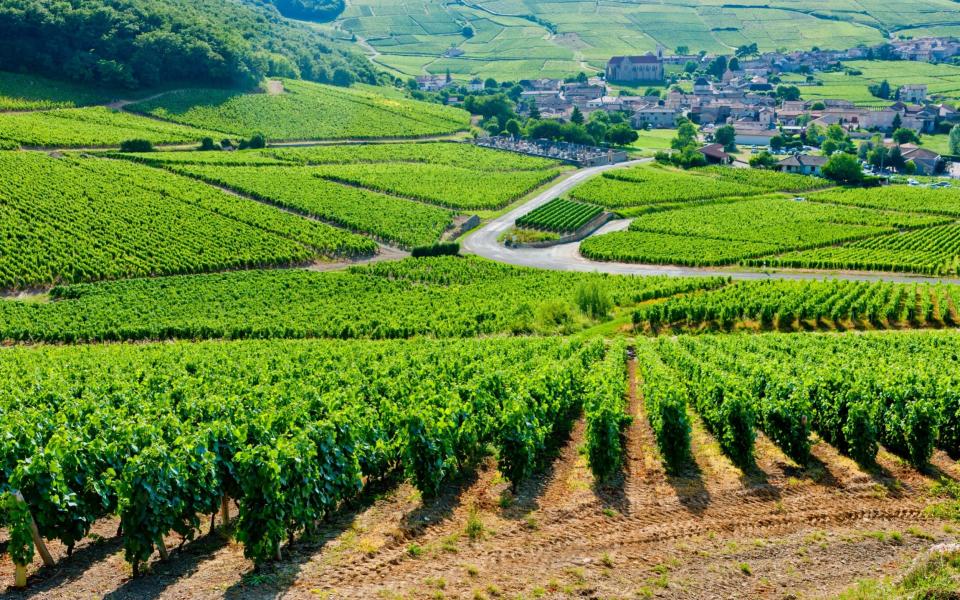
x=749, y=95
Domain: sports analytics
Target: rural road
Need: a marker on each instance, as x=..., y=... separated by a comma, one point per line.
x=566, y=257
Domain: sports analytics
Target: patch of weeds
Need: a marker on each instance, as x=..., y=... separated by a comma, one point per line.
x=479, y=595
x=577, y=575
x=606, y=560
x=472, y=570
x=438, y=582
x=745, y=568
x=538, y=592
x=530, y=522
x=449, y=543
x=494, y=591
x=506, y=500
x=778, y=507
x=880, y=536
x=816, y=536
x=895, y=538
x=609, y=512
x=474, y=529
x=415, y=550
x=255, y=579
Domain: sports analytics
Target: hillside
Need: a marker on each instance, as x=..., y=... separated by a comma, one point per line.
x=511, y=39
x=145, y=43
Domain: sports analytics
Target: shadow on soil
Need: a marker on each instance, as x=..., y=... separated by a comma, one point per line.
x=47, y=579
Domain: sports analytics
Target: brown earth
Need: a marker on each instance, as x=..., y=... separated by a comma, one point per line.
x=778, y=531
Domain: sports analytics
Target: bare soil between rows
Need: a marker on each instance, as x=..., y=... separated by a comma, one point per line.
x=778, y=531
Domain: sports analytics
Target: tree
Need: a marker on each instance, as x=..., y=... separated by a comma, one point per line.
x=881, y=90
x=582, y=77
x=897, y=122
x=343, y=77
x=776, y=143
x=813, y=134
x=818, y=105
x=207, y=144
x=727, y=136
x=689, y=67
x=513, y=127
x=718, y=67
x=257, y=140
x=955, y=140
x=492, y=125
x=844, y=169
x=829, y=146
x=788, y=92
x=686, y=135
x=905, y=136
x=467, y=31
x=534, y=111
x=764, y=160
x=597, y=128
x=576, y=116
x=734, y=64
x=490, y=83
x=681, y=50
x=136, y=146
x=621, y=135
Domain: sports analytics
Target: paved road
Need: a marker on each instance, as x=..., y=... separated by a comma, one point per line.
x=566, y=257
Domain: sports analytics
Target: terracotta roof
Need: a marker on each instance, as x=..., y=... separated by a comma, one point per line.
x=715, y=151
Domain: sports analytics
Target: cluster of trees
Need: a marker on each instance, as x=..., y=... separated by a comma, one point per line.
x=143, y=43
x=311, y=10
x=686, y=147
x=496, y=105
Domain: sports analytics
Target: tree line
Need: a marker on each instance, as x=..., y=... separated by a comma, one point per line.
x=145, y=43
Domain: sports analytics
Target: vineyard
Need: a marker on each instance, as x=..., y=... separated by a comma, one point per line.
x=806, y=305
x=70, y=220
x=855, y=392
x=91, y=127
x=931, y=251
x=440, y=297
x=559, y=215
x=306, y=111
x=398, y=220
x=896, y=197
x=643, y=188
x=218, y=423
x=31, y=92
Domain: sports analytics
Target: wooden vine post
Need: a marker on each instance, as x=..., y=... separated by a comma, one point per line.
x=225, y=511
x=20, y=573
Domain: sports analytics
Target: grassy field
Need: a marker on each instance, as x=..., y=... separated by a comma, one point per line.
x=940, y=79
x=530, y=38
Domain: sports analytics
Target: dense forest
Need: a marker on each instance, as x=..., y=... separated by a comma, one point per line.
x=312, y=10
x=143, y=43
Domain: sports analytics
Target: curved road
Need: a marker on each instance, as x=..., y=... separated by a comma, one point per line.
x=566, y=257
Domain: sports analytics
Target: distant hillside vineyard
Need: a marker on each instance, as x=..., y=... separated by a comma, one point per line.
x=143, y=43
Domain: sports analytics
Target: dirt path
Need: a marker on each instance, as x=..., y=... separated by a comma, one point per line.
x=714, y=532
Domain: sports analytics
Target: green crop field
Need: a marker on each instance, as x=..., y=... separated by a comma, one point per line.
x=642, y=188
x=306, y=111
x=559, y=215
x=68, y=220
x=719, y=216
x=516, y=39
x=440, y=297
x=404, y=193
x=941, y=80
x=94, y=126
x=29, y=92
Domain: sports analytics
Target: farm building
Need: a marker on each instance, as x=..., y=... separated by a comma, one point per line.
x=802, y=164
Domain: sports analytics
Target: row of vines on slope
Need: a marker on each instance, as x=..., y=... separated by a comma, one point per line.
x=162, y=434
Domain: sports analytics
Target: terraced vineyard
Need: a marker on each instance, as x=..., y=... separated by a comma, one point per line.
x=306, y=111
x=30, y=92
x=559, y=215
x=914, y=199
